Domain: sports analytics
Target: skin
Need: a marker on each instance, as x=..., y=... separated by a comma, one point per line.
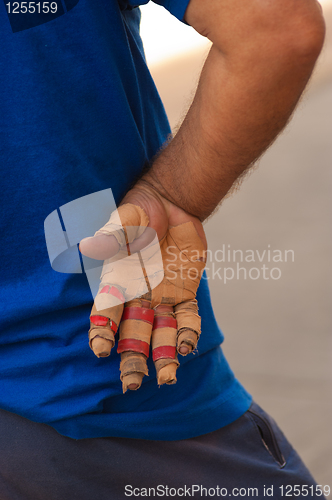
x=262, y=56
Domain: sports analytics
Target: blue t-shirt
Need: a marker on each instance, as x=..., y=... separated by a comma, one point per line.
x=79, y=114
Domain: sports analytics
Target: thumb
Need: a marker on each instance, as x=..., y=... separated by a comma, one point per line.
x=126, y=224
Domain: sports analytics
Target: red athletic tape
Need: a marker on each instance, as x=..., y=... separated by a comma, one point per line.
x=99, y=320
x=103, y=321
x=141, y=313
x=164, y=322
x=133, y=345
x=164, y=351
x=111, y=290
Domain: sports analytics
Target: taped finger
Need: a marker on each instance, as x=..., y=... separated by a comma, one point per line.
x=126, y=224
x=189, y=326
x=104, y=323
x=164, y=345
x=134, y=343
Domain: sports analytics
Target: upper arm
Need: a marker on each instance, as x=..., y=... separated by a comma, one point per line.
x=238, y=24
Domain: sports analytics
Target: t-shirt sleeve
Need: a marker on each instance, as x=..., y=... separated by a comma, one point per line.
x=175, y=7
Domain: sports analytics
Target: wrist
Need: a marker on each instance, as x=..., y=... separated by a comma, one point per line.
x=150, y=181
x=169, y=195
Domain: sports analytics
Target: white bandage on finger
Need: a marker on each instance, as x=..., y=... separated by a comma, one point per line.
x=126, y=224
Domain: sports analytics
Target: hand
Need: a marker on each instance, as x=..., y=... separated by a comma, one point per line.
x=169, y=311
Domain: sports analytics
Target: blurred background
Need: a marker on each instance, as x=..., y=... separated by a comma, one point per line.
x=277, y=321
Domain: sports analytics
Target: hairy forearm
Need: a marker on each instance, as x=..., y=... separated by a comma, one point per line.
x=246, y=93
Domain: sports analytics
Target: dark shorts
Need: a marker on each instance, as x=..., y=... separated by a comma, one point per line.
x=249, y=458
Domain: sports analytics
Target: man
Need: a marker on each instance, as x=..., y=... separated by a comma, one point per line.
x=80, y=113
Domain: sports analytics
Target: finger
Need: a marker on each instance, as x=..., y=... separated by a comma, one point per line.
x=164, y=345
x=189, y=326
x=126, y=224
x=100, y=247
x=144, y=241
x=104, y=322
x=134, y=342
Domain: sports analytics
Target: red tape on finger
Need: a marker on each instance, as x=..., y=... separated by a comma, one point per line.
x=141, y=313
x=133, y=345
x=164, y=322
x=162, y=352
x=103, y=321
x=111, y=290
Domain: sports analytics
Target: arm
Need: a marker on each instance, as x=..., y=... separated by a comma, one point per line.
x=262, y=56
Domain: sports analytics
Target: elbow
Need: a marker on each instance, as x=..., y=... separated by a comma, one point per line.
x=275, y=36
x=285, y=31
x=304, y=38
x=284, y=45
